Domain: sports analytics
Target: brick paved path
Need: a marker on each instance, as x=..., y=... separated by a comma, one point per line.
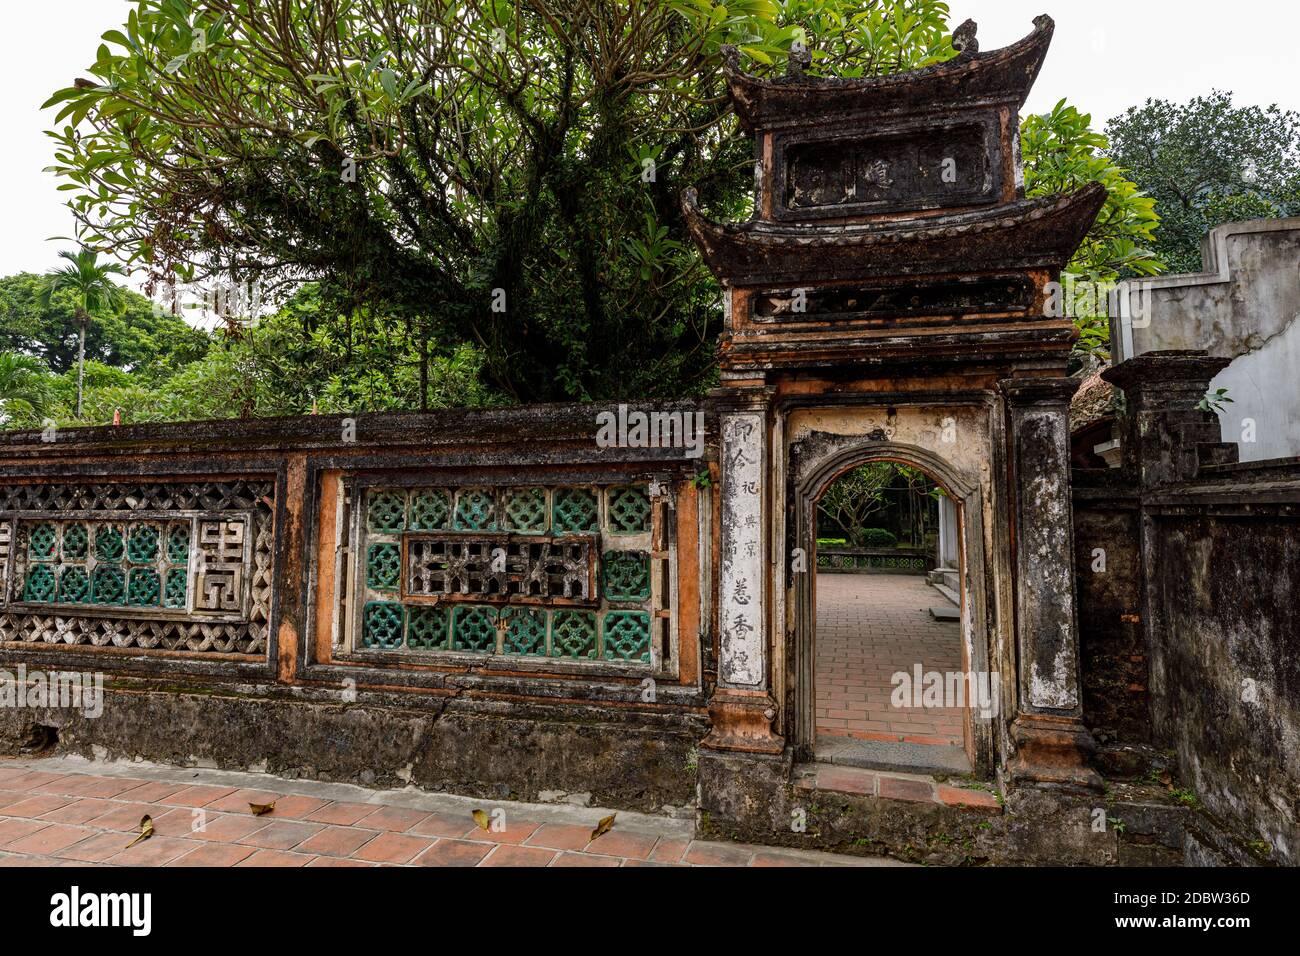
x=870, y=626
x=70, y=812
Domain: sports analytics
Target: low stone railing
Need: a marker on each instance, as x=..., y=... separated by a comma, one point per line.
x=874, y=560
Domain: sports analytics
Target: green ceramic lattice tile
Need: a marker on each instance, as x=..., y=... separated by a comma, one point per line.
x=40, y=542
x=626, y=636
x=74, y=586
x=629, y=509
x=474, y=629
x=178, y=544
x=382, y=625
x=109, y=543
x=475, y=510
x=176, y=588
x=525, y=510
x=626, y=576
x=573, y=634
x=526, y=634
x=426, y=628
x=76, y=542
x=40, y=584
x=108, y=586
x=383, y=566
x=429, y=509
x=143, y=588
x=386, y=512
x=142, y=545
x=574, y=510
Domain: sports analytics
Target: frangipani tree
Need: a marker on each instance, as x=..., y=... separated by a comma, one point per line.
x=504, y=174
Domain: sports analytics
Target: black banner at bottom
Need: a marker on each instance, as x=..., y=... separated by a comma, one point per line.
x=337, y=906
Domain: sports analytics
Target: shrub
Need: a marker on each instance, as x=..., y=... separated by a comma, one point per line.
x=876, y=538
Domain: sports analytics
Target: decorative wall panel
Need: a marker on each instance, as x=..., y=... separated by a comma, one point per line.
x=170, y=566
x=563, y=572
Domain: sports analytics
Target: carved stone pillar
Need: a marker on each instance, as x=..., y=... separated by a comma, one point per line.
x=1165, y=438
x=742, y=709
x=1052, y=744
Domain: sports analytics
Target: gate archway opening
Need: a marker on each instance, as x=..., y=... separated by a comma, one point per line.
x=888, y=631
x=887, y=657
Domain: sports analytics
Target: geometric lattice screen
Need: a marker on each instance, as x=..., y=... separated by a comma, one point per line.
x=551, y=572
x=174, y=566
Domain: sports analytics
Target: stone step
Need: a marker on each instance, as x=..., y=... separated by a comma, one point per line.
x=950, y=594
x=913, y=788
x=896, y=755
x=948, y=577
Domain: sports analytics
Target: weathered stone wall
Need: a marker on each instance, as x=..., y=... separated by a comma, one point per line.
x=1219, y=546
x=1226, y=664
x=493, y=749
x=1108, y=580
x=493, y=602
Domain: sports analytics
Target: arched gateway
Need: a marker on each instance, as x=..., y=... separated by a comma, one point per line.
x=887, y=300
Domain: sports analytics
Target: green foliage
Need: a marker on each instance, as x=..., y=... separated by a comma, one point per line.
x=299, y=358
x=875, y=538
x=872, y=491
x=1214, y=401
x=152, y=343
x=92, y=290
x=87, y=280
x=24, y=388
x=855, y=496
x=1063, y=154
x=1206, y=162
x=424, y=159
x=423, y=162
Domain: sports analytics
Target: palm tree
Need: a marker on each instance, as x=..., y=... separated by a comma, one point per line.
x=24, y=387
x=93, y=291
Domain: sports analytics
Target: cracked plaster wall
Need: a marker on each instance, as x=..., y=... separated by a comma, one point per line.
x=1245, y=306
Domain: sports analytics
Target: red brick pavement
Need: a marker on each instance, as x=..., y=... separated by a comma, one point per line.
x=59, y=817
x=870, y=626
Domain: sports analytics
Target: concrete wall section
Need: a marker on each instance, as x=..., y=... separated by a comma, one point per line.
x=1245, y=306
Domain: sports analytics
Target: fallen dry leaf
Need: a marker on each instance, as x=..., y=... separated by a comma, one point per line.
x=604, y=826
x=482, y=819
x=261, y=809
x=146, y=830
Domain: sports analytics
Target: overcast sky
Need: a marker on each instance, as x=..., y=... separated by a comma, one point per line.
x=1107, y=55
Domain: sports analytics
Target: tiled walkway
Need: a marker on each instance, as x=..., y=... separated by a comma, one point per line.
x=870, y=626
x=69, y=812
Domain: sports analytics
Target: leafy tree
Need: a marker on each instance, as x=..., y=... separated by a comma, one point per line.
x=503, y=175
x=500, y=174
x=24, y=388
x=148, y=341
x=1206, y=162
x=93, y=291
x=1066, y=155
x=275, y=367
x=855, y=496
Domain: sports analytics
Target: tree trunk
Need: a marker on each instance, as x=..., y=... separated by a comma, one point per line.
x=424, y=373
x=81, y=357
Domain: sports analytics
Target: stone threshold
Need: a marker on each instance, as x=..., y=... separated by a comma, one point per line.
x=891, y=753
x=913, y=788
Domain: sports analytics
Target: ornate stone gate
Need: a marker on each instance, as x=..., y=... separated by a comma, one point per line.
x=887, y=300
